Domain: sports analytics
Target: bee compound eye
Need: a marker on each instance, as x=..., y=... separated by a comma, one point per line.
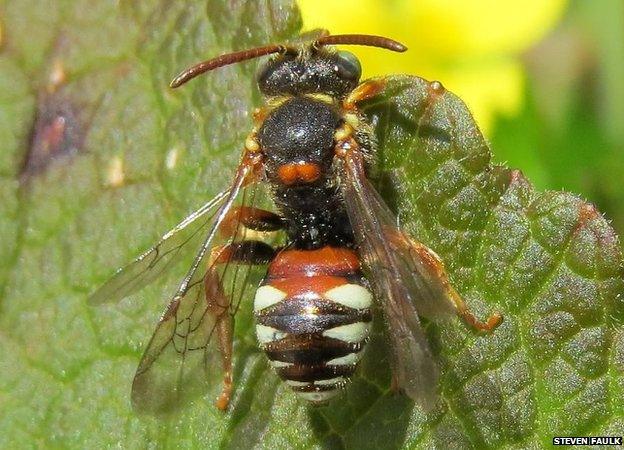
x=348, y=66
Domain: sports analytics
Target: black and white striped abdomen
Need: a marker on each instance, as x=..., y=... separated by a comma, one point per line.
x=313, y=316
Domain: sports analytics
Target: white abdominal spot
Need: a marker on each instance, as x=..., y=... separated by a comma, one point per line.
x=267, y=296
x=347, y=360
x=354, y=332
x=351, y=295
x=268, y=334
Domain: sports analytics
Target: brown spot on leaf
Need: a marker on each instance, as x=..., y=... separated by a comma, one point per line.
x=436, y=88
x=435, y=91
x=57, y=134
x=516, y=176
x=589, y=217
x=587, y=212
x=61, y=119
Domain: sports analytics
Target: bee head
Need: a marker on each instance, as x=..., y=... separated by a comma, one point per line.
x=309, y=68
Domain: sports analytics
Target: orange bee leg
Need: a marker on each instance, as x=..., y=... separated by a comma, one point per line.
x=345, y=146
x=364, y=91
x=245, y=252
x=435, y=265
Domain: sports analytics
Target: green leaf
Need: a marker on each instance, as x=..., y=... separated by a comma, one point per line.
x=129, y=158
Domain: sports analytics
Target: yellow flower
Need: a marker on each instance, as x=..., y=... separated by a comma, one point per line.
x=472, y=47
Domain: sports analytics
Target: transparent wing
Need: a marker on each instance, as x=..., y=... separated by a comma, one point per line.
x=180, y=358
x=404, y=280
x=179, y=361
x=161, y=257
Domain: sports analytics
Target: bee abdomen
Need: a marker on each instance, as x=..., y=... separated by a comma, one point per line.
x=313, y=318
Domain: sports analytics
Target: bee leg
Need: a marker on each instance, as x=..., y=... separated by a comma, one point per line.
x=432, y=262
x=245, y=252
x=218, y=308
x=252, y=219
x=345, y=148
x=364, y=91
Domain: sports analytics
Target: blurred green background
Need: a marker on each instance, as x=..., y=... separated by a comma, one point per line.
x=569, y=133
x=545, y=79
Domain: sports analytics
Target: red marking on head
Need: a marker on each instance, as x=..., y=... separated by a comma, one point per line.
x=303, y=172
x=323, y=261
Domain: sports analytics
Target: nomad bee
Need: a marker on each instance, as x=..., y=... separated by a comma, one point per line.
x=341, y=250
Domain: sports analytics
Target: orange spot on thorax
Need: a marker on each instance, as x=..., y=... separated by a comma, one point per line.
x=302, y=172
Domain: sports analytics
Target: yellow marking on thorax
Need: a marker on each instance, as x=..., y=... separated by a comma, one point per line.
x=325, y=98
x=251, y=144
x=272, y=103
x=276, y=102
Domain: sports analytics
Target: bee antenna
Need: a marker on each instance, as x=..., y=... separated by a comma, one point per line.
x=360, y=39
x=224, y=60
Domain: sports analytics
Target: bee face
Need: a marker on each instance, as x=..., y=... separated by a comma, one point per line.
x=309, y=71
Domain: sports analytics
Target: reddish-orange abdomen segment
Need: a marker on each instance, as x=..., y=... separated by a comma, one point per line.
x=325, y=260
